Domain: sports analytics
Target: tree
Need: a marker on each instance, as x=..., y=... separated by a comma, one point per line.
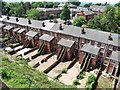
x=79, y=21
x=74, y=2
x=65, y=14
x=37, y=4
x=51, y=16
x=33, y=14
x=87, y=5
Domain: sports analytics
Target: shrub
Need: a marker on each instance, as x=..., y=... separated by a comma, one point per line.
x=90, y=82
x=6, y=73
x=64, y=70
x=81, y=75
x=76, y=82
x=5, y=58
x=11, y=45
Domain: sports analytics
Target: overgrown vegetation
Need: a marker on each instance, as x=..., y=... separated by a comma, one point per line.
x=76, y=82
x=18, y=74
x=90, y=82
x=81, y=75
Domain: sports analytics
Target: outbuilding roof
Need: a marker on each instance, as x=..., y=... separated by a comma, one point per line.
x=90, y=49
x=8, y=27
x=46, y=37
x=115, y=56
x=31, y=33
x=16, y=29
x=66, y=43
x=21, y=30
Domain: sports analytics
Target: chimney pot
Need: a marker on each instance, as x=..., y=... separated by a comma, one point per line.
x=8, y=18
x=83, y=31
x=17, y=20
x=60, y=27
x=43, y=24
x=29, y=21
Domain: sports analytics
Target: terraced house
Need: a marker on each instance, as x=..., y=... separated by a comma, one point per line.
x=94, y=48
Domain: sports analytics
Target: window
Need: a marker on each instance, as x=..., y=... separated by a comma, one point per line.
x=103, y=45
x=76, y=46
x=110, y=47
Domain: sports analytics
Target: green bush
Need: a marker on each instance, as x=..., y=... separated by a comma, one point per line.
x=5, y=58
x=81, y=75
x=90, y=82
x=76, y=82
x=11, y=45
x=6, y=73
x=64, y=70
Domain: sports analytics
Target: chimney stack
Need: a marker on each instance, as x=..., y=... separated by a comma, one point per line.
x=29, y=21
x=60, y=27
x=43, y=24
x=83, y=31
x=8, y=18
x=17, y=20
x=110, y=37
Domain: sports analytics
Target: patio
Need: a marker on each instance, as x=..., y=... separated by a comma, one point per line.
x=30, y=54
x=37, y=60
x=68, y=77
x=57, y=70
x=48, y=63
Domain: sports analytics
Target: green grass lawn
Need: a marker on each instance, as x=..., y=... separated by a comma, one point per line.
x=18, y=74
x=104, y=83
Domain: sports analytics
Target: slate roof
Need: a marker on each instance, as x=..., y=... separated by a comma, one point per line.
x=3, y=18
x=66, y=42
x=35, y=24
x=115, y=56
x=31, y=33
x=48, y=26
x=88, y=12
x=16, y=29
x=46, y=37
x=91, y=34
x=8, y=27
x=2, y=25
x=21, y=30
x=90, y=49
x=97, y=8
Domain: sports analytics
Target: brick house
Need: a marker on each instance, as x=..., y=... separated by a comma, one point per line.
x=71, y=40
x=49, y=41
x=32, y=38
x=66, y=49
x=1, y=30
x=87, y=14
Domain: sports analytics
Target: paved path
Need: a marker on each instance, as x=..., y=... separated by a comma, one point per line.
x=36, y=60
x=56, y=70
x=70, y=75
x=45, y=65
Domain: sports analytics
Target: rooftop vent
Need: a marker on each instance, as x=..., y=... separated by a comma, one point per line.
x=110, y=37
x=17, y=20
x=60, y=27
x=43, y=24
x=8, y=18
x=29, y=21
x=83, y=31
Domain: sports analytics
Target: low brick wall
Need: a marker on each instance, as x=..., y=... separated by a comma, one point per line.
x=31, y=50
x=51, y=67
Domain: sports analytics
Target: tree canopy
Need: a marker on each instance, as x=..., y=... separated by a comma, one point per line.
x=65, y=14
x=33, y=14
x=79, y=21
x=108, y=21
x=74, y=2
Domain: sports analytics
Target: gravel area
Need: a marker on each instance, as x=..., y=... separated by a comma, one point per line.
x=45, y=65
x=55, y=71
